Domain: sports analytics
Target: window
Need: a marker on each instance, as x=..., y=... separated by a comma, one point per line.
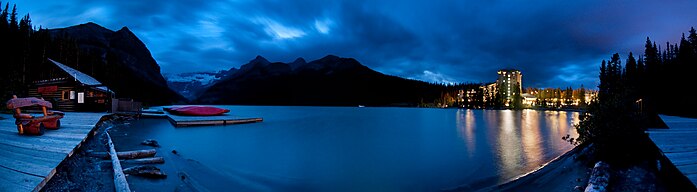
x=65, y=95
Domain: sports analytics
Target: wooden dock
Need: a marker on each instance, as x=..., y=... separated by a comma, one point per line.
x=27, y=163
x=182, y=121
x=179, y=121
x=678, y=143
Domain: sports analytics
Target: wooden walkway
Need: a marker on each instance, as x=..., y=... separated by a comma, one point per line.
x=678, y=143
x=28, y=162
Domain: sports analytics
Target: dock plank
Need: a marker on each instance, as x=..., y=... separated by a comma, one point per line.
x=28, y=162
x=688, y=169
x=12, y=181
x=678, y=143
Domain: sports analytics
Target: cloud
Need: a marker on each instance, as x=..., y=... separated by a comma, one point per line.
x=554, y=43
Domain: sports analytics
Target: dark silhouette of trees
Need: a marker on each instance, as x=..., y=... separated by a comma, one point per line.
x=630, y=97
x=25, y=52
x=611, y=122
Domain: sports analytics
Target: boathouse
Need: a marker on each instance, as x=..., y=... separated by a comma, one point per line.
x=71, y=90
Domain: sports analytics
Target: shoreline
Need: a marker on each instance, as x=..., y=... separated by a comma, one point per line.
x=563, y=173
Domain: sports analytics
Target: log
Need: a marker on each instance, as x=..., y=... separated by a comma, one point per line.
x=149, y=160
x=127, y=154
x=120, y=183
x=600, y=178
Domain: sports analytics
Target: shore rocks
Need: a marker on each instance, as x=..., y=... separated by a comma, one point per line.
x=150, y=142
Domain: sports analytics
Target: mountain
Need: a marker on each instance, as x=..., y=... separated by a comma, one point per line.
x=190, y=85
x=119, y=60
x=331, y=80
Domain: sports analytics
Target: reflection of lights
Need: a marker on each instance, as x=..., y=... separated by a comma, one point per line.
x=509, y=146
x=531, y=136
x=466, y=128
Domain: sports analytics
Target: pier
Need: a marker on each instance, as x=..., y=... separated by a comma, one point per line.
x=183, y=121
x=678, y=144
x=27, y=163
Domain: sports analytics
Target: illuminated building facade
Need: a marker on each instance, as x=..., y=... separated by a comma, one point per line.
x=507, y=82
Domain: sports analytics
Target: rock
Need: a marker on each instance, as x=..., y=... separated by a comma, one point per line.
x=150, y=142
x=145, y=171
x=578, y=188
x=175, y=152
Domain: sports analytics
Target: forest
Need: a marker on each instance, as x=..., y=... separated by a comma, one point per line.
x=25, y=51
x=631, y=95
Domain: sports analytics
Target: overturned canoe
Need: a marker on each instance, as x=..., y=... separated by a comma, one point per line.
x=196, y=110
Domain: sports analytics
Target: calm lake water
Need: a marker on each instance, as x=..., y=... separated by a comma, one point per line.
x=374, y=149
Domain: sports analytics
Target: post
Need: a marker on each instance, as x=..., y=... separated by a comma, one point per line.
x=20, y=127
x=120, y=183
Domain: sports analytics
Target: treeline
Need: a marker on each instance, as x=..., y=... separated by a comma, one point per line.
x=451, y=95
x=25, y=52
x=558, y=97
x=631, y=95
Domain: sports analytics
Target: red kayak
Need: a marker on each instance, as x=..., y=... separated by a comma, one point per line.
x=196, y=110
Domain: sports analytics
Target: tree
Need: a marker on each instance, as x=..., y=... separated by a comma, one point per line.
x=13, y=19
x=3, y=18
x=610, y=122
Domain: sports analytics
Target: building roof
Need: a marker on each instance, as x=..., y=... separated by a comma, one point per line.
x=81, y=77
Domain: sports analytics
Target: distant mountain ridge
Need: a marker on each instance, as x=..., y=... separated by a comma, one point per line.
x=191, y=84
x=330, y=80
x=120, y=60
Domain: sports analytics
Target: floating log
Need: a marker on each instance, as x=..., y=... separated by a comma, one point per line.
x=127, y=154
x=145, y=171
x=149, y=160
x=120, y=183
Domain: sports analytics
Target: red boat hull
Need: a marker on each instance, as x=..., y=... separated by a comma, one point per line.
x=197, y=111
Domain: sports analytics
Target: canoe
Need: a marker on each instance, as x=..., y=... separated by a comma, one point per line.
x=196, y=110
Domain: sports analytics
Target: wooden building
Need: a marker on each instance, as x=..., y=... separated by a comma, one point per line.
x=72, y=90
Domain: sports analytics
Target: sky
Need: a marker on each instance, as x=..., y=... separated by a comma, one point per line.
x=554, y=43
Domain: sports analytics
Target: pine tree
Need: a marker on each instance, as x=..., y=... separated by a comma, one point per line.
x=3, y=18
x=13, y=19
x=692, y=37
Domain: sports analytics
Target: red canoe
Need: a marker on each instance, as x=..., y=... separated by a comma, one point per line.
x=197, y=110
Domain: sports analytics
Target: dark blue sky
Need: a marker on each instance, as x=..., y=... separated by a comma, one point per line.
x=555, y=43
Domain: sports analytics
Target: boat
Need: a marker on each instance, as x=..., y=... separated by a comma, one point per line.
x=196, y=110
x=361, y=105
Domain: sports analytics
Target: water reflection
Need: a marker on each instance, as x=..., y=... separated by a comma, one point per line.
x=531, y=136
x=466, y=126
x=509, y=146
x=521, y=140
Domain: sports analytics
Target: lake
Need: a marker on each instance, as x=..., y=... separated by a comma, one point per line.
x=373, y=149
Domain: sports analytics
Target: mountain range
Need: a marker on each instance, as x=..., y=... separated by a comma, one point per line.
x=121, y=61
x=331, y=80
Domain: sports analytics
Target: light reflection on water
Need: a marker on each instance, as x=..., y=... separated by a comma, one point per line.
x=523, y=139
x=374, y=149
